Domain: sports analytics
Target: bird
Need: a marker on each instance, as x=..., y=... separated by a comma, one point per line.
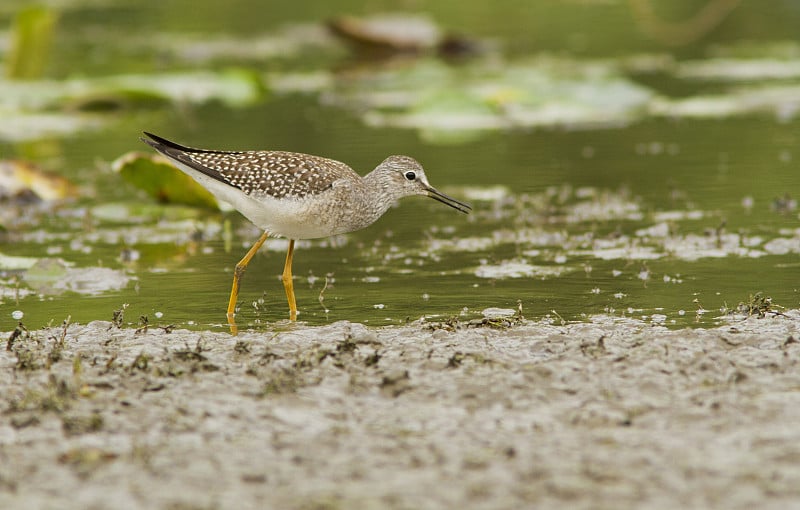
x=297, y=196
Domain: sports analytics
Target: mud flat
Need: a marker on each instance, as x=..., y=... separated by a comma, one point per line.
x=614, y=413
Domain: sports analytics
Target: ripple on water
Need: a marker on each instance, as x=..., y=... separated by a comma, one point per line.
x=520, y=269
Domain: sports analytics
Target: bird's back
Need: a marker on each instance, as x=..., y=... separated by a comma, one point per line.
x=276, y=174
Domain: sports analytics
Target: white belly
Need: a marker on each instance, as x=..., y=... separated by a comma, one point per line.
x=286, y=217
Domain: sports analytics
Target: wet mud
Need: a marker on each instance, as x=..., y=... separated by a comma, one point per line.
x=612, y=413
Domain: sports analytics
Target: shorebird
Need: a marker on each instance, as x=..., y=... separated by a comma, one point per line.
x=298, y=196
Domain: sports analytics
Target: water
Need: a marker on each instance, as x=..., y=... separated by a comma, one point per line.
x=671, y=218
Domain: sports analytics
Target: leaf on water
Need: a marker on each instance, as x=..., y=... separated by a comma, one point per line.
x=12, y=263
x=46, y=272
x=786, y=49
x=308, y=82
x=444, y=117
x=781, y=100
x=143, y=213
x=237, y=87
x=55, y=276
x=30, y=42
x=485, y=193
x=22, y=126
x=734, y=70
x=22, y=178
x=162, y=181
x=398, y=32
x=454, y=103
x=37, y=109
x=104, y=99
x=520, y=269
x=288, y=42
x=34, y=95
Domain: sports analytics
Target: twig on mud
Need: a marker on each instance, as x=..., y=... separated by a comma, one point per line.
x=560, y=318
x=759, y=305
x=321, y=295
x=18, y=331
x=144, y=322
x=65, y=325
x=118, y=317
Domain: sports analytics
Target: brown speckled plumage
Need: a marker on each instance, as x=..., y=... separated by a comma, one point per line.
x=273, y=173
x=301, y=196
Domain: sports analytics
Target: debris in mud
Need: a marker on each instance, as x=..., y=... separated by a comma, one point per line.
x=395, y=382
x=495, y=318
x=474, y=405
x=18, y=332
x=86, y=460
x=757, y=305
x=82, y=424
x=140, y=363
x=180, y=362
x=458, y=358
x=118, y=317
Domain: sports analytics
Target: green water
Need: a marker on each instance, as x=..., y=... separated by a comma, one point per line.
x=696, y=178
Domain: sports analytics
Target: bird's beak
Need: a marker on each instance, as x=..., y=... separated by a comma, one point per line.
x=452, y=202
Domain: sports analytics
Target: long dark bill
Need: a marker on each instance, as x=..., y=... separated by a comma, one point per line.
x=452, y=202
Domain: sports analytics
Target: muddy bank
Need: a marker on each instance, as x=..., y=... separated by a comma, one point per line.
x=611, y=414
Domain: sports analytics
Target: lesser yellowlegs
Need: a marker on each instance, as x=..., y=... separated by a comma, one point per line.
x=298, y=196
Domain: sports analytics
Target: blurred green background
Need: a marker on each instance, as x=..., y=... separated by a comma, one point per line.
x=624, y=157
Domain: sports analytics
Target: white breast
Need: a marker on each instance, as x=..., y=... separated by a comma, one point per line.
x=285, y=217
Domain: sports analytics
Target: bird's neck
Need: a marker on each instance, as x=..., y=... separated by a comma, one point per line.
x=379, y=193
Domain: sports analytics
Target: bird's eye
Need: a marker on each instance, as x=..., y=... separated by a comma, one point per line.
x=411, y=176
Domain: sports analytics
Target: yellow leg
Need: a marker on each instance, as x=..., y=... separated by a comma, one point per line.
x=287, y=282
x=237, y=276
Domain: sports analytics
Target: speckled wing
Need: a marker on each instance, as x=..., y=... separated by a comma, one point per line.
x=276, y=174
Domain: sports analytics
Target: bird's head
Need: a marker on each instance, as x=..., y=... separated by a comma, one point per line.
x=403, y=176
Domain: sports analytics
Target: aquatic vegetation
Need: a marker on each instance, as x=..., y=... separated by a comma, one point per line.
x=23, y=179
x=566, y=154
x=162, y=181
x=31, y=37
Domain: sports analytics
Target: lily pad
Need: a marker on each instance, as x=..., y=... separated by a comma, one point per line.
x=55, y=276
x=237, y=87
x=20, y=126
x=398, y=32
x=139, y=213
x=15, y=263
x=34, y=95
x=757, y=49
x=740, y=69
x=234, y=87
x=284, y=83
x=162, y=181
x=781, y=100
x=520, y=269
x=454, y=103
x=287, y=42
x=39, y=108
x=21, y=178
